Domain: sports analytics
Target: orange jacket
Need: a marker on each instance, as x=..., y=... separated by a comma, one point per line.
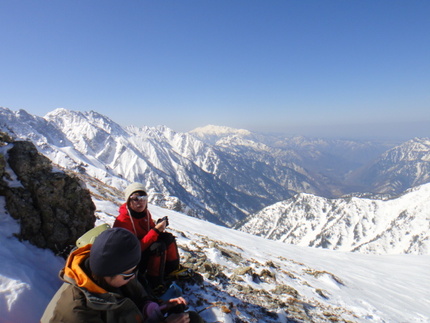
x=80, y=299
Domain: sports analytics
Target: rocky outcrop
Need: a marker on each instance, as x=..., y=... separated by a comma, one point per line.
x=246, y=289
x=52, y=207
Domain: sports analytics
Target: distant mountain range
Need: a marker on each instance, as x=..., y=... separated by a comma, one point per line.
x=391, y=226
x=226, y=175
x=396, y=170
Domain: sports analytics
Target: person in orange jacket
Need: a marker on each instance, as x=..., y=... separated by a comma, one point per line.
x=99, y=287
x=160, y=257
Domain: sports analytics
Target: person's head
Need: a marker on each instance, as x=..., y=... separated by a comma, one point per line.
x=114, y=256
x=136, y=197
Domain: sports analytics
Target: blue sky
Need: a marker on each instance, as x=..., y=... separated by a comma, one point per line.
x=319, y=68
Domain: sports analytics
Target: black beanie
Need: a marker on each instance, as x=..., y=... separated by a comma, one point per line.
x=114, y=251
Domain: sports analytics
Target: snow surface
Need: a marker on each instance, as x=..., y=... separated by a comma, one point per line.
x=387, y=288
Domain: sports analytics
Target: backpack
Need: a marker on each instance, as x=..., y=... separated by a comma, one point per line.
x=89, y=236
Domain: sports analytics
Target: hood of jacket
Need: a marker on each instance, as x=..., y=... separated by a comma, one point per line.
x=81, y=299
x=74, y=273
x=98, y=298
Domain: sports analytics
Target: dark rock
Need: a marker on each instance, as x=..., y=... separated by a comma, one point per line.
x=53, y=208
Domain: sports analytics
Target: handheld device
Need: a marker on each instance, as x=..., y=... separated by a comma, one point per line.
x=164, y=219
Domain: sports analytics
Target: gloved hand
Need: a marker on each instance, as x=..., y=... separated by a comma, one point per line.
x=152, y=313
x=176, y=305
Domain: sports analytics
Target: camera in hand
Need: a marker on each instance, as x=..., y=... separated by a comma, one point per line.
x=164, y=219
x=180, y=308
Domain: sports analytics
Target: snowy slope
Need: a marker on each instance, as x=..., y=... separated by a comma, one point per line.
x=400, y=225
x=246, y=278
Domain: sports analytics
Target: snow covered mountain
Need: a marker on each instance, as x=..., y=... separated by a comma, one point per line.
x=246, y=278
x=391, y=226
x=222, y=183
x=398, y=169
x=180, y=172
x=328, y=162
x=212, y=134
x=215, y=173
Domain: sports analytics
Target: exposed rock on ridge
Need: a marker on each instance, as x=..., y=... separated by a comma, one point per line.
x=53, y=208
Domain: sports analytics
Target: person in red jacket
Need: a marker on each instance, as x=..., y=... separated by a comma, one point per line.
x=160, y=256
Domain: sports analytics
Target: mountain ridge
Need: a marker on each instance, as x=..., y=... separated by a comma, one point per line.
x=226, y=182
x=390, y=226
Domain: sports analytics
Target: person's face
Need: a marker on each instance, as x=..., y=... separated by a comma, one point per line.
x=121, y=279
x=138, y=202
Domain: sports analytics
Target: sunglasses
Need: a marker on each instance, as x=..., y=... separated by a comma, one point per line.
x=139, y=198
x=130, y=275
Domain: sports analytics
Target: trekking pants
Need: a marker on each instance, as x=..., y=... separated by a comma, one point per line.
x=160, y=258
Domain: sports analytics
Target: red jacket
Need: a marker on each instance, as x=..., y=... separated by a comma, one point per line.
x=143, y=228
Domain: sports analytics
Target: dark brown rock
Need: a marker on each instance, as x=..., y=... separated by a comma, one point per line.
x=53, y=208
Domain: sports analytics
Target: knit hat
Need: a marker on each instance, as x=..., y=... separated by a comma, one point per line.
x=134, y=187
x=113, y=252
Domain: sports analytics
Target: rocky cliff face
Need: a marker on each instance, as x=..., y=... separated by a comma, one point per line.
x=53, y=208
